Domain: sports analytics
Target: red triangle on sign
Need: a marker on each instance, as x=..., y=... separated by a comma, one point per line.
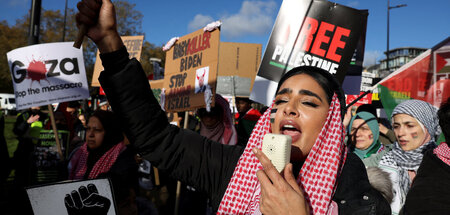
x=442, y=59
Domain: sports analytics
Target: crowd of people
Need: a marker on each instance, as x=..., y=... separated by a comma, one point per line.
x=341, y=162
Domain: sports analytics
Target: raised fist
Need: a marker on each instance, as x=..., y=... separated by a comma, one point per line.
x=86, y=201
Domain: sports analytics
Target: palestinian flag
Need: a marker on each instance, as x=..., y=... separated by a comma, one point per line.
x=411, y=81
x=426, y=77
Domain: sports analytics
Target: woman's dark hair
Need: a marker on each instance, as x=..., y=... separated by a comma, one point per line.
x=111, y=125
x=214, y=111
x=326, y=80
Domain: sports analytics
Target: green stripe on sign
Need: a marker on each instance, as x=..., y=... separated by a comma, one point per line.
x=279, y=65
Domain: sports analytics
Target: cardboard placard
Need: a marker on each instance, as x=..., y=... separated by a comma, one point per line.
x=238, y=64
x=134, y=48
x=190, y=70
x=64, y=198
x=308, y=32
x=47, y=73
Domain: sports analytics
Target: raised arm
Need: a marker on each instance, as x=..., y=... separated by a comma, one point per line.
x=100, y=18
x=186, y=155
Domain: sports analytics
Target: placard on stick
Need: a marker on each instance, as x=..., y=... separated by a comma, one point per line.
x=134, y=48
x=190, y=70
x=47, y=73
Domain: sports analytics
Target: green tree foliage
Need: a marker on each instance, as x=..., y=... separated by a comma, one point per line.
x=129, y=24
x=51, y=30
x=11, y=37
x=148, y=51
x=129, y=20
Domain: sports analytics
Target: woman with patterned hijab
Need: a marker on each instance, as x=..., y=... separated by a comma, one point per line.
x=322, y=179
x=416, y=127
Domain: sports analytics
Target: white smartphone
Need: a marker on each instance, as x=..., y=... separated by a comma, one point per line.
x=277, y=147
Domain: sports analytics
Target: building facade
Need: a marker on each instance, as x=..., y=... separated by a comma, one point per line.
x=397, y=58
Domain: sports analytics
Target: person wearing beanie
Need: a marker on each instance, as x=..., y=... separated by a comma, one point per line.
x=416, y=127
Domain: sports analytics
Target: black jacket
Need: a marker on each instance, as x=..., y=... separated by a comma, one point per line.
x=430, y=191
x=187, y=156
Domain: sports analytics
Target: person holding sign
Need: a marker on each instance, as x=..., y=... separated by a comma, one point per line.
x=309, y=106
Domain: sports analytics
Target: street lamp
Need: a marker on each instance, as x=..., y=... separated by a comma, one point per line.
x=64, y=25
x=387, y=48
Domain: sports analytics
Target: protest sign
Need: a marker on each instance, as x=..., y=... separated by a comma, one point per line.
x=79, y=197
x=191, y=71
x=134, y=48
x=47, y=73
x=312, y=33
x=238, y=64
x=47, y=160
x=367, y=99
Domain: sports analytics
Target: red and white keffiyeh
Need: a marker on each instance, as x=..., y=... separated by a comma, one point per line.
x=79, y=162
x=317, y=176
x=443, y=153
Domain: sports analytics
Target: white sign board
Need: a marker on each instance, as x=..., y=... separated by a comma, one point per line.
x=80, y=197
x=47, y=73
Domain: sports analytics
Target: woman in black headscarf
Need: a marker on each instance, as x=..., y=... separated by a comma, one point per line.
x=104, y=155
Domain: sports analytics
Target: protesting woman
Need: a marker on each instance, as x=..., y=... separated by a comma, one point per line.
x=364, y=133
x=430, y=191
x=363, y=141
x=416, y=127
x=307, y=107
x=104, y=155
x=217, y=124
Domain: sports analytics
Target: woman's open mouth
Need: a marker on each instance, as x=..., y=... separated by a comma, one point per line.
x=289, y=127
x=402, y=142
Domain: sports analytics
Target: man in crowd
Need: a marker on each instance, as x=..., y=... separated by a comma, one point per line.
x=246, y=119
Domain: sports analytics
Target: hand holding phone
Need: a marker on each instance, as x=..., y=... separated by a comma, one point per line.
x=277, y=147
